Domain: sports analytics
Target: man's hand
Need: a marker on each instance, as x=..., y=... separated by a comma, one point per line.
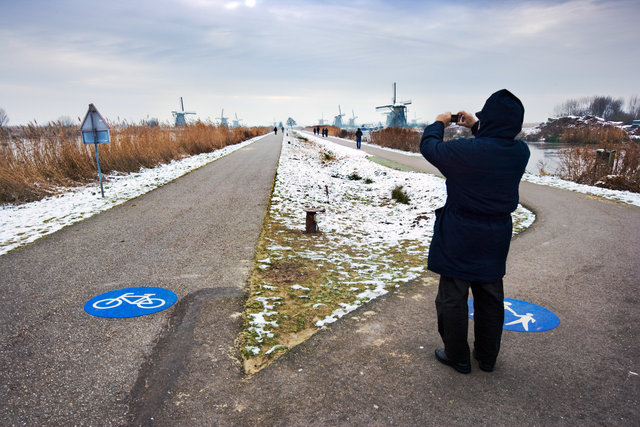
x=465, y=119
x=444, y=118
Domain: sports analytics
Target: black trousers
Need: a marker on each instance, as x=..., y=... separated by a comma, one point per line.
x=453, y=318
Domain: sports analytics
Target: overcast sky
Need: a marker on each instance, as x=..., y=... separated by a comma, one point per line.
x=271, y=59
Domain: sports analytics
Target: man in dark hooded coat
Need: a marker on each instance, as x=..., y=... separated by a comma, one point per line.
x=472, y=232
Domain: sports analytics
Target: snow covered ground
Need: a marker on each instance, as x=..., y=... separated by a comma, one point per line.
x=369, y=241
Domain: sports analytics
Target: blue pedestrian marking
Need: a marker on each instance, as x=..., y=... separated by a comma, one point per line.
x=522, y=316
x=130, y=302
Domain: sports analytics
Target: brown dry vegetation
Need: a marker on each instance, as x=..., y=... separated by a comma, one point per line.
x=580, y=164
x=35, y=161
x=401, y=139
x=603, y=136
x=333, y=130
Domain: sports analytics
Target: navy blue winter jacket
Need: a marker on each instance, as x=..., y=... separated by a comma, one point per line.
x=472, y=232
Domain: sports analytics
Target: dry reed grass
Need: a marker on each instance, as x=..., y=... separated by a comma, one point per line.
x=333, y=131
x=603, y=136
x=580, y=164
x=401, y=139
x=36, y=161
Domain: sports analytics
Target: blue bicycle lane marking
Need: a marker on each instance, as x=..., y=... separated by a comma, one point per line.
x=130, y=302
x=523, y=316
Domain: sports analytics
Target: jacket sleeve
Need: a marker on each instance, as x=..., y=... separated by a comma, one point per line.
x=448, y=157
x=432, y=136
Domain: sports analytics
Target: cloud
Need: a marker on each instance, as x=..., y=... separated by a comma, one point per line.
x=313, y=54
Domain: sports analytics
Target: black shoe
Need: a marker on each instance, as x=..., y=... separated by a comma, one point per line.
x=463, y=368
x=483, y=366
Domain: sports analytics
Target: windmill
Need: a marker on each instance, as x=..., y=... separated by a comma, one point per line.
x=321, y=121
x=223, y=120
x=337, y=120
x=352, y=120
x=236, y=122
x=179, y=115
x=414, y=121
x=397, y=117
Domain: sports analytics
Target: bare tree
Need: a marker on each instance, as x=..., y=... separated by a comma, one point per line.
x=573, y=107
x=606, y=107
x=633, y=107
x=4, y=119
x=65, y=121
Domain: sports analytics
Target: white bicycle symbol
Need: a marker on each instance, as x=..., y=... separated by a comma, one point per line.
x=142, y=301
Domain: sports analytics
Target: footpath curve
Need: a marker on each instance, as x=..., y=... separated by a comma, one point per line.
x=376, y=365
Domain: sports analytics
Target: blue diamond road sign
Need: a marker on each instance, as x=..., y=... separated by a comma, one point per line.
x=130, y=302
x=522, y=316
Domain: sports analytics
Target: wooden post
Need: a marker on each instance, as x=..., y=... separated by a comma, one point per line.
x=311, y=224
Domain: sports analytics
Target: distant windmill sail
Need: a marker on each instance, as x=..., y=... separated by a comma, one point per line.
x=337, y=120
x=397, y=115
x=236, y=121
x=179, y=116
x=224, y=121
x=352, y=120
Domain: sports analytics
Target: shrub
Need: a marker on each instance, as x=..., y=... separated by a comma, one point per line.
x=327, y=156
x=348, y=134
x=399, y=195
x=579, y=164
x=401, y=139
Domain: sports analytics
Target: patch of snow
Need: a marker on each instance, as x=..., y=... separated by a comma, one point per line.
x=253, y=349
x=274, y=348
x=554, y=181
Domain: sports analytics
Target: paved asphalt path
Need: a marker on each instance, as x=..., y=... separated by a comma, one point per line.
x=374, y=367
x=196, y=236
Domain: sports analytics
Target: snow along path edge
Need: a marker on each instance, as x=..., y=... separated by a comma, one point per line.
x=24, y=224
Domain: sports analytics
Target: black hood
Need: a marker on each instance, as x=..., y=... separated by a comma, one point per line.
x=501, y=116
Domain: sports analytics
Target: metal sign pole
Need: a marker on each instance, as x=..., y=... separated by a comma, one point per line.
x=95, y=139
x=99, y=172
x=95, y=131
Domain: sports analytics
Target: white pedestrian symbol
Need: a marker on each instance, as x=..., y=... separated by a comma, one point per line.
x=522, y=318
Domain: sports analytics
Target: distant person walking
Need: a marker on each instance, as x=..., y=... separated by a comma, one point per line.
x=472, y=232
x=275, y=129
x=358, y=138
